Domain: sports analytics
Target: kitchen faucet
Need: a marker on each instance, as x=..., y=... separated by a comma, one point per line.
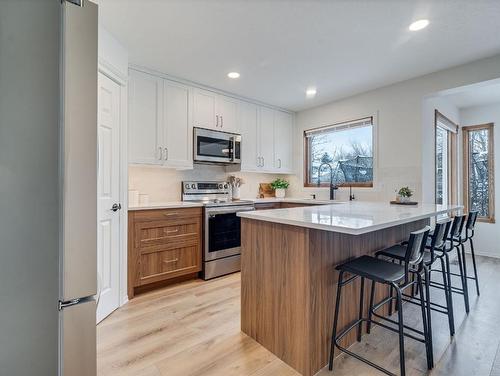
x=333, y=187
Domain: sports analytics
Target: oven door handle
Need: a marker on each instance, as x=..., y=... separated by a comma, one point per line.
x=212, y=212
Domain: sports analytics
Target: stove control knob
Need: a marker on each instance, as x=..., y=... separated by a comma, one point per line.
x=220, y=186
x=193, y=186
x=226, y=186
x=186, y=186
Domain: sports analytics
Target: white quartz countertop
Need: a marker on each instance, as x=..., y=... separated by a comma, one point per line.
x=166, y=205
x=309, y=201
x=355, y=217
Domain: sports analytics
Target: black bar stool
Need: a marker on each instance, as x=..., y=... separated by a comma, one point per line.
x=397, y=276
x=434, y=249
x=469, y=234
x=454, y=242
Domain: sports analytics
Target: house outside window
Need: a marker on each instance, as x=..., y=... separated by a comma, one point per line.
x=347, y=147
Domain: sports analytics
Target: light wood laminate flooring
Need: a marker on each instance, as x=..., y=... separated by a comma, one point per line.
x=193, y=328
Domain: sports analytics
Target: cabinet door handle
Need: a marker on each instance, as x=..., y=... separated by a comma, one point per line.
x=263, y=162
x=160, y=154
x=170, y=214
x=173, y=231
x=216, y=120
x=170, y=261
x=279, y=160
x=221, y=121
x=166, y=154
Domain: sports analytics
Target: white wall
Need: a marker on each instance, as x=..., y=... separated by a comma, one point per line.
x=487, y=237
x=402, y=130
x=164, y=184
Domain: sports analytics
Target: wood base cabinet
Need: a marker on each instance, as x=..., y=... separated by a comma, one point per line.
x=163, y=244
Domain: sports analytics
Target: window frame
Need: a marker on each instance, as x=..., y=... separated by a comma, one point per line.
x=306, y=158
x=452, y=158
x=491, y=169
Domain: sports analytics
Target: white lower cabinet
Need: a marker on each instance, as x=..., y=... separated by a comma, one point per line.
x=160, y=131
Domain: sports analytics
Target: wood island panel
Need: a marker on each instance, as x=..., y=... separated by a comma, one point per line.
x=288, y=286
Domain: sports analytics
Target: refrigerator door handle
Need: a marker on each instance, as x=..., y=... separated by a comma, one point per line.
x=67, y=303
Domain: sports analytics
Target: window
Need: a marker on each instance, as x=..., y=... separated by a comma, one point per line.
x=445, y=159
x=346, y=147
x=478, y=171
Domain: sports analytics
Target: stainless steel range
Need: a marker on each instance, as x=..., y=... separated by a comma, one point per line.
x=221, y=227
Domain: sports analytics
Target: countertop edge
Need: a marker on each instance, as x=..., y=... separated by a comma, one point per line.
x=343, y=230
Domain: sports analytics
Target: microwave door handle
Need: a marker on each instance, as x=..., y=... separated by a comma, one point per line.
x=233, y=148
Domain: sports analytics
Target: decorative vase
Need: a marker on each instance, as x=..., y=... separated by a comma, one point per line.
x=236, y=193
x=279, y=192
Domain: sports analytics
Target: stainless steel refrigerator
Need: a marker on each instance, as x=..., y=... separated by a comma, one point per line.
x=78, y=194
x=48, y=187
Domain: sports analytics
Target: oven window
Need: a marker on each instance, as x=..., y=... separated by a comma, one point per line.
x=213, y=147
x=224, y=232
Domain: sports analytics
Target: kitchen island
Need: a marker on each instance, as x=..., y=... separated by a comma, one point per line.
x=288, y=276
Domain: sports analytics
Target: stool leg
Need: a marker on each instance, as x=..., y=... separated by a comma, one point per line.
x=399, y=303
x=474, y=265
x=335, y=320
x=429, y=345
x=463, y=271
x=449, y=292
x=449, y=306
x=361, y=301
x=372, y=297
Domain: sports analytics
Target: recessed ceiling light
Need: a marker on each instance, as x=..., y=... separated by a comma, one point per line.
x=311, y=92
x=419, y=25
x=233, y=75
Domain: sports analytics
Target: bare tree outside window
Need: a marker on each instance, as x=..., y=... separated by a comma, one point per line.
x=478, y=172
x=348, y=150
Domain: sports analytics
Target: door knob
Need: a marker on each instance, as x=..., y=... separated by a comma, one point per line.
x=116, y=207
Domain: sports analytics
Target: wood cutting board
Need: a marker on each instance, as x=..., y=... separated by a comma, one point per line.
x=265, y=190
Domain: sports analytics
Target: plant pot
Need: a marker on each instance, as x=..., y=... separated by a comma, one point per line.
x=279, y=192
x=404, y=199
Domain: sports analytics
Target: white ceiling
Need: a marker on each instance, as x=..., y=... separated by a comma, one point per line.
x=475, y=96
x=281, y=47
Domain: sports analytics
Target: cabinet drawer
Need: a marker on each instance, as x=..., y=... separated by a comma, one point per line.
x=166, y=264
x=157, y=233
x=167, y=214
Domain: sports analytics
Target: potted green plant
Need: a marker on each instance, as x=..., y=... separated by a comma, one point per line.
x=404, y=194
x=279, y=186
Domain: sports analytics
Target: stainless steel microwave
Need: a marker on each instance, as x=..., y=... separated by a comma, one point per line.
x=216, y=147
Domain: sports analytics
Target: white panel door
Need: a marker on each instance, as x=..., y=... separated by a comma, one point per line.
x=108, y=231
x=178, y=132
x=144, y=135
x=283, y=127
x=247, y=118
x=205, y=109
x=266, y=138
x=227, y=109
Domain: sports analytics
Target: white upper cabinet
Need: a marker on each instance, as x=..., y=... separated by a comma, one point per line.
x=227, y=112
x=160, y=131
x=177, y=131
x=266, y=138
x=248, y=123
x=145, y=133
x=162, y=114
x=204, y=112
x=214, y=111
x=283, y=142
